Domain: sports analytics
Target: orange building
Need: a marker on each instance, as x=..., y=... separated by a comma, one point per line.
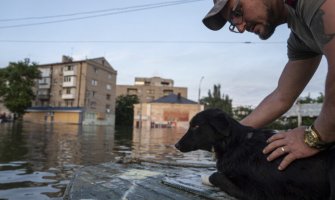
x=168, y=111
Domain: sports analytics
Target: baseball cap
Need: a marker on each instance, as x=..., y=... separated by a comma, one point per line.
x=213, y=20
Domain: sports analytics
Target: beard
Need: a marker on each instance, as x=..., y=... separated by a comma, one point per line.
x=268, y=31
x=270, y=27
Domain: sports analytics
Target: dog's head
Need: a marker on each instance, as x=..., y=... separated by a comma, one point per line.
x=207, y=128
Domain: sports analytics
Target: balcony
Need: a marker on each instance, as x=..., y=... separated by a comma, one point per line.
x=44, y=83
x=70, y=81
x=43, y=94
x=69, y=70
x=68, y=96
x=45, y=72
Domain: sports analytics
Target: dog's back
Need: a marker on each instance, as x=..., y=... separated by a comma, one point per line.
x=259, y=179
x=243, y=168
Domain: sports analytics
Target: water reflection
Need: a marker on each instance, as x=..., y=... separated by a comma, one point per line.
x=158, y=144
x=37, y=161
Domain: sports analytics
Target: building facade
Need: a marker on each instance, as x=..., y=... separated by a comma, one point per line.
x=149, y=89
x=168, y=111
x=81, y=92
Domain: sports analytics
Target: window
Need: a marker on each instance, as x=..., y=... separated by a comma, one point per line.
x=94, y=82
x=44, y=81
x=108, y=87
x=109, y=76
x=108, y=108
x=67, y=78
x=69, y=103
x=108, y=97
x=167, y=92
x=95, y=70
x=131, y=91
x=94, y=93
x=68, y=68
x=93, y=104
x=150, y=91
x=68, y=90
x=165, y=83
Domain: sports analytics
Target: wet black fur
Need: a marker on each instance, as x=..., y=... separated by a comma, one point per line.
x=242, y=168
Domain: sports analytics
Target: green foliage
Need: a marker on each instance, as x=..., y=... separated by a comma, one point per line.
x=241, y=112
x=16, y=85
x=216, y=100
x=309, y=99
x=124, y=110
x=307, y=121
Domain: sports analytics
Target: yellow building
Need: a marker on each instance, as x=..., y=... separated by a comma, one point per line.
x=168, y=111
x=80, y=92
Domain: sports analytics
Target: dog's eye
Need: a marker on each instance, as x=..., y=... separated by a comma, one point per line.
x=195, y=127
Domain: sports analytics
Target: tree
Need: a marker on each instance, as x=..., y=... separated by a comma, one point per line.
x=16, y=85
x=309, y=99
x=241, y=112
x=216, y=100
x=320, y=98
x=124, y=110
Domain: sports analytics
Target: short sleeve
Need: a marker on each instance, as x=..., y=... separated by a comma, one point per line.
x=297, y=50
x=318, y=30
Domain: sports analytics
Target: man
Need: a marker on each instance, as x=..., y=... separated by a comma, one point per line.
x=312, y=24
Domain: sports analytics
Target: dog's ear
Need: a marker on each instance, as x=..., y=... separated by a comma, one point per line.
x=221, y=123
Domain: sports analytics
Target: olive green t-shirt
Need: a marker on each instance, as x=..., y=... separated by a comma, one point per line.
x=307, y=32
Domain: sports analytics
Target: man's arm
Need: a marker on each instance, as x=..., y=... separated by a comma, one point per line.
x=292, y=142
x=325, y=123
x=292, y=81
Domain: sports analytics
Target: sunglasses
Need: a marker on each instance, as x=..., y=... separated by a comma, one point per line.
x=236, y=18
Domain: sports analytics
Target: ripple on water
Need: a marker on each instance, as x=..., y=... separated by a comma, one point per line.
x=18, y=181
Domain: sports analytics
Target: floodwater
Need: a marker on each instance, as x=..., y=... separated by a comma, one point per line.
x=37, y=161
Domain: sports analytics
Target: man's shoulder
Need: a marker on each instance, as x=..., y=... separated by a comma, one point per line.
x=306, y=9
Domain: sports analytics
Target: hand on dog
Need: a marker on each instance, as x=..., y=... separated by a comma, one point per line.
x=290, y=143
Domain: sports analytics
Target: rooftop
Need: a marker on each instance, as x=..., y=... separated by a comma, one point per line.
x=304, y=110
x=174, y=98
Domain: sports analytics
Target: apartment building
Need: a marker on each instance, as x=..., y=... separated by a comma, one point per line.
x=80, y=92
x=149, y=89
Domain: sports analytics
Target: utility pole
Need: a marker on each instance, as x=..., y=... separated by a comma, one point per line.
x=202, y=78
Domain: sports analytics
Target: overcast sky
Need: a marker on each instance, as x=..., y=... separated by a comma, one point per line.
x=145, y=38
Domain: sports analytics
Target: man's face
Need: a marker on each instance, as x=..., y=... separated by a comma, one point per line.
x=255, y=16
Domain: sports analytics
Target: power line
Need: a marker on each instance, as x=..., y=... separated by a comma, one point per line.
x=106, y=12
x=137, y=42
x=95, y=11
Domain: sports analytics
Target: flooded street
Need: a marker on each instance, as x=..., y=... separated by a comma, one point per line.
x=37, y=161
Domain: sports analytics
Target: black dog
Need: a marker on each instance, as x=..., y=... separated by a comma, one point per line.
x=244, y=172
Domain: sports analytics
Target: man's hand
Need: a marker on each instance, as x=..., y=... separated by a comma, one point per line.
x=291, y=144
